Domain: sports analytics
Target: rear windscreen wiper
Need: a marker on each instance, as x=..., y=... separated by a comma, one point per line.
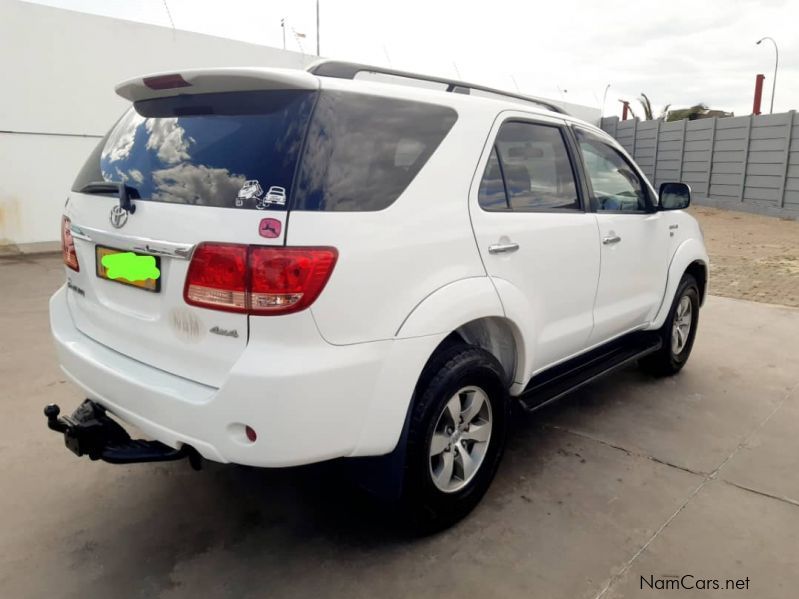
x=126, y=193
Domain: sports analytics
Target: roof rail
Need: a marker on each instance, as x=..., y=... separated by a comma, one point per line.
x=348, y=70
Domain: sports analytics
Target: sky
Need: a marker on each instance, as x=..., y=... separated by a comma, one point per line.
x=680, y=52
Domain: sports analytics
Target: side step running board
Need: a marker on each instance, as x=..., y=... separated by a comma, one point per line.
x=564, y=378
x=90, y=431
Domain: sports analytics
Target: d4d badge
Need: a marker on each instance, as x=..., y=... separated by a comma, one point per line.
x=269, y=228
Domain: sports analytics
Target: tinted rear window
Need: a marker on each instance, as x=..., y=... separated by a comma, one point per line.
x=363, y=151
x=232, y=150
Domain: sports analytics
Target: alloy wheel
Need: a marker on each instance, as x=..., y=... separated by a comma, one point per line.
x=460, y=439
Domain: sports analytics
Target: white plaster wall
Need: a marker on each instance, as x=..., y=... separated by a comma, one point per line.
x=58, y=70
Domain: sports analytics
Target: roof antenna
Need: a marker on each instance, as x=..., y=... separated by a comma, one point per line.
x=169, y=14
x=298, y=37
x=457, y=70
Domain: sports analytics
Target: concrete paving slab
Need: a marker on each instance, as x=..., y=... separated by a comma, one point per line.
x=584, y=486
x=744, y=361
x=769, y=461
x=562, y=514
x=725, y=533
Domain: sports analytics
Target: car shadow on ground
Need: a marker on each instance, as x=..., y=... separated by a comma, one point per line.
x=323, y=500
x=165, y=529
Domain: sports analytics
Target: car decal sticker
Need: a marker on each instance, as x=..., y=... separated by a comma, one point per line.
x=251, y=190
x=276, y=196
x=269, y=228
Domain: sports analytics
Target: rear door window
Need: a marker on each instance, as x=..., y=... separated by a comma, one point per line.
x=231, y=150
x=363, y=151
x=533, y=164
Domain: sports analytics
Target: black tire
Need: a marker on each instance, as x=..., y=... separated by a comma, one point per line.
x=665, y=362
x=454, y=368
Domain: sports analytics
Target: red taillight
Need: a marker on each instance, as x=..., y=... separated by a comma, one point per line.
x=257, y=279
x=68, y=245
x=288, y=279
x=218, y=277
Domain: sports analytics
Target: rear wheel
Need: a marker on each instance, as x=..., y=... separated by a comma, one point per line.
x=678, y=332
x=456, y=436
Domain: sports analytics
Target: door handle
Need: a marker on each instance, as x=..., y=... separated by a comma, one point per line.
x=503, y=248
x=611, y=239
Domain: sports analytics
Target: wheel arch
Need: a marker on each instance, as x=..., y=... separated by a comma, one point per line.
x=698, y=269
x=480, y=321
x=499, y=336
x=690, y=257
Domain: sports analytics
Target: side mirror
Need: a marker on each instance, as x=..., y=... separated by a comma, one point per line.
x=674, y=196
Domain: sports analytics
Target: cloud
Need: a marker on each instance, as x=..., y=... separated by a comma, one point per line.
x=120, y=141
x=193, y=184
x=136, y=175
x=168, y=139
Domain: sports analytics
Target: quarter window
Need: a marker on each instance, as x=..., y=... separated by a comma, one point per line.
x=616, y=185
x=529, y=169
x=492, y=187
x=363, y=151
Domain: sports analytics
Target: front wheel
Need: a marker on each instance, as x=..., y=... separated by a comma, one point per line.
x=456, y=437
x=678, y=332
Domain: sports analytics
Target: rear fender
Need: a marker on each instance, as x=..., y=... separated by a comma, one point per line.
x=417, y=337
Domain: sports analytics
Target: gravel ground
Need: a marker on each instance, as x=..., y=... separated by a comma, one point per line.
x=751, y=257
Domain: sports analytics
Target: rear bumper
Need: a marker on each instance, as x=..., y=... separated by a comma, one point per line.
x=307, y=400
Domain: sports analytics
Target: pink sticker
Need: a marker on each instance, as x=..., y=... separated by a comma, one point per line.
x=269, y=228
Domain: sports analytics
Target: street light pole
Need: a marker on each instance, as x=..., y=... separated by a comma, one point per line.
x=604, y=97
x=776, y=66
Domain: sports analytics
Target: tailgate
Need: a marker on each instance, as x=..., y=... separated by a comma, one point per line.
x=206, y=167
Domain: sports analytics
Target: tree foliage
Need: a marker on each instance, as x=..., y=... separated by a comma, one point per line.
x=697, y=111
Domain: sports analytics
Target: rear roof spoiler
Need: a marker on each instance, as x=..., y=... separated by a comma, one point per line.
x=348, y=70
x=203, y=81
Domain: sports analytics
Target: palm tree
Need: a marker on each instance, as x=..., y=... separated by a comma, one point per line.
x=649, y=114
x=647, y=106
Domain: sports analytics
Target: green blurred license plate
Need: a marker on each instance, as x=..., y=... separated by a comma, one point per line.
x=129, y=268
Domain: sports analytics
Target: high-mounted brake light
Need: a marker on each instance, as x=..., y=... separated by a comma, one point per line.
x=68, y=245
x=258, y=280
x=171, y=81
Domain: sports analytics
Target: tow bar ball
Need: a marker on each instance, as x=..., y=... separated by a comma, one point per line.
x=53, y=421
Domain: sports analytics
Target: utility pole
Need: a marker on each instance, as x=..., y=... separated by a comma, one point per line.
x=318, y=51
x=283, y=27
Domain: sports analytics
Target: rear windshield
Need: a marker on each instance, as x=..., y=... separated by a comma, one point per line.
x=241, y=149
x=232, y=150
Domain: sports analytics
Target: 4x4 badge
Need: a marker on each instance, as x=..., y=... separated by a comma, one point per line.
x=118, y=217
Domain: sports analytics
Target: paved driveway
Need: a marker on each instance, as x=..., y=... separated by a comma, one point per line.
x=630, y=477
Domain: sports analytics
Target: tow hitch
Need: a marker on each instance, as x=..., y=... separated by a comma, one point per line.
x=90, y=431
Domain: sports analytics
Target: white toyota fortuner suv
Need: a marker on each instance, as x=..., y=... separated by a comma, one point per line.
x=414, y=256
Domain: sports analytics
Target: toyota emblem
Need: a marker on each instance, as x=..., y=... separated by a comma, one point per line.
x=118, y=217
